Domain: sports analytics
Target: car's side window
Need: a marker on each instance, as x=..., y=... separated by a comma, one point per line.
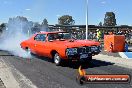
x=37, y=37
x=40, y=37
x=54, y=36
x=50, y=37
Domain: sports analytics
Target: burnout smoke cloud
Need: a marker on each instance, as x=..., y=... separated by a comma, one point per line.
x=16, y=31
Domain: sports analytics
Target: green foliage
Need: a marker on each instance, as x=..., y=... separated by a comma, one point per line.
x=45, y=22
x=66, y=20
x=100, y=24
x=2, y=27
x=44, y=25
x=109, y=19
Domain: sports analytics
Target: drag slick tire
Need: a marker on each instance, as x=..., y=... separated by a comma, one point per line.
x=57, y=59
x=29, y=51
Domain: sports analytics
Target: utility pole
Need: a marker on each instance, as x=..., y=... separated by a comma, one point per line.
x=86, y=19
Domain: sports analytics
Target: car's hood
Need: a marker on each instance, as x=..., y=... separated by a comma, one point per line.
x=76, y=43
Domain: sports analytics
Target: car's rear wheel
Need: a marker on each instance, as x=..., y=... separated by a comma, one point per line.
x=57, y=59
x=29, y=51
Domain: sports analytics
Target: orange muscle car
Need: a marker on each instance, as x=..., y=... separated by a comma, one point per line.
x=60, y=46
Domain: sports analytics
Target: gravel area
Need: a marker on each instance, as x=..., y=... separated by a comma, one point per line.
x=2, y=84
x=8, y=76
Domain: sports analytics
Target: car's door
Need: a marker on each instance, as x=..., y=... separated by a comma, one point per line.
x=39, y=44
x=42, y=47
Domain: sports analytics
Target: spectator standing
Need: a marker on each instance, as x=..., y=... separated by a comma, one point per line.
x=99, y=34
x=126, y=46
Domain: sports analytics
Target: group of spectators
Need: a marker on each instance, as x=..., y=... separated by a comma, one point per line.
x=99, y=34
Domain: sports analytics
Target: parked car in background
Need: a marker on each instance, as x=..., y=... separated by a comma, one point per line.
x=61, y=46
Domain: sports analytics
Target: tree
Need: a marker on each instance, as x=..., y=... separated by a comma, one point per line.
x=100, y=24
x=44, y=25
x=18, y=25
x=2, y=27
x=36, y=27
x=109, y=19
x=45, y=22
x=66, y=20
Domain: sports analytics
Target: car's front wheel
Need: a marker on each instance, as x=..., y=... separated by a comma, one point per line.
x=57, y=59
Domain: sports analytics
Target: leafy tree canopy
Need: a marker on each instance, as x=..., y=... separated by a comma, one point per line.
x=66, y=20
x=45, y=22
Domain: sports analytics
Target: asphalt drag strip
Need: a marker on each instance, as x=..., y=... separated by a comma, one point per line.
x=44, y=74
